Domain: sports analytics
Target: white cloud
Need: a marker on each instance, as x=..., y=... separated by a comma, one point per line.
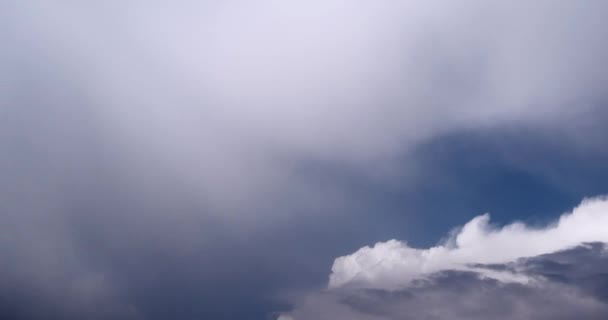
x=393, y=264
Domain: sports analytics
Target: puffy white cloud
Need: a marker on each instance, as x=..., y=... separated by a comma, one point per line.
x=393, y=264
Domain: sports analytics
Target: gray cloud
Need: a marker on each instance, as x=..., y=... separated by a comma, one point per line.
x=227, y=98
x=142, y=141
x=573, y=286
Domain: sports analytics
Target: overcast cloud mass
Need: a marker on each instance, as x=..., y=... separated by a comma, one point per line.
x=212, y=159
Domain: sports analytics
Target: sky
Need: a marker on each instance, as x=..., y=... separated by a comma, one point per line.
x=303, y=160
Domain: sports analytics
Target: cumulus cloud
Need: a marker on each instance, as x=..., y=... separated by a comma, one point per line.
x=566, y=261
x=393, y=264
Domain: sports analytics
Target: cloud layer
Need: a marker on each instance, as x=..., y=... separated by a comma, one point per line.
x=229, y=97
x=572, y=285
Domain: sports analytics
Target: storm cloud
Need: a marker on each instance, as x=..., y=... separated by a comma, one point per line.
x=200, y=159
x=228, y=98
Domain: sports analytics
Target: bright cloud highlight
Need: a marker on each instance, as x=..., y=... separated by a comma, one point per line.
x=393, y=264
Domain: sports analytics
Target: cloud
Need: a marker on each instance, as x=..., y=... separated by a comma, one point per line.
x=466, y=295
x=230, y=98
x=393, y=264
x=136, y=136
x=569, y=284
